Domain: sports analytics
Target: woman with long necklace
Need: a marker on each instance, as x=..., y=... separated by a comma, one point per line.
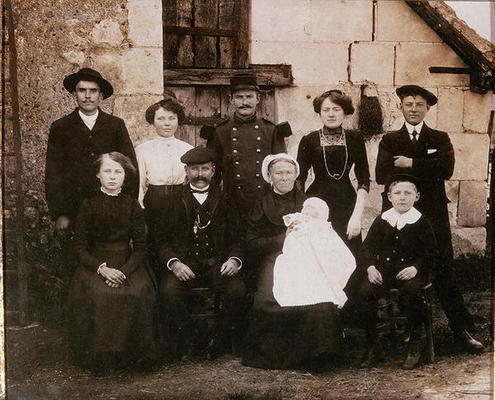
x=332, y=151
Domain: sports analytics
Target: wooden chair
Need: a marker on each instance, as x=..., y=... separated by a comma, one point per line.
x=391, y=319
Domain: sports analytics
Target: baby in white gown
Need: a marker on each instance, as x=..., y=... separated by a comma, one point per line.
x=315, y=263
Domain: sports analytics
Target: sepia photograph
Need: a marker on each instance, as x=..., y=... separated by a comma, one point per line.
x=247, y=200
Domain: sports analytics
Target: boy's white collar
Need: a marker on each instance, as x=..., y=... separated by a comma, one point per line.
x=398, y=220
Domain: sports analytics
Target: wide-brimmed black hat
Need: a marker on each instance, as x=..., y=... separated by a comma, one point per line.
x=415, y=90
x=198, y=155
x=243, y=81
x=88, y=74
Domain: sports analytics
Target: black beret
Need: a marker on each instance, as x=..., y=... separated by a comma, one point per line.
x=198, y=155
x=283, y=129
x=415, y=90
x=403, y=177
x=243, y=80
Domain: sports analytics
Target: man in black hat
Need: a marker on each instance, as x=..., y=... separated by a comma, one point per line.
x=242, y=141
x=74, y=143
x=201, y=246
x=428, y=154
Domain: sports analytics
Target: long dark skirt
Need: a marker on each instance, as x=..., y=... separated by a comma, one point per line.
x=281, y=337
x=157, y=205
x=112, y=320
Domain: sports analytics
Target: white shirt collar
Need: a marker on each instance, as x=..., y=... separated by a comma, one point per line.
x=200, y=197
x=110, y=194
x=89, y=120
x=398, y=220
x=417, y=128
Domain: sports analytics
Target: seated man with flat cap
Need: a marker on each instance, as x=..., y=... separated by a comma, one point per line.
x=242, y=141
x=427, y=154
x=201, y=246
x=75, y=142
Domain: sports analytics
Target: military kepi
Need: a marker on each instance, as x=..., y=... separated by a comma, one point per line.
x=88, y=74
x=198, y=155
x=414, y=90
x=243, y=81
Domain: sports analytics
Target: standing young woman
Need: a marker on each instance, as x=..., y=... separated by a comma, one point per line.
x=161, y=173
x=332, y=151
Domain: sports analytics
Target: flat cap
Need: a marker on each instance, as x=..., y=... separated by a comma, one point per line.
x=415, y=90
x=243, y=80
x=403, y=177
x=198, y=155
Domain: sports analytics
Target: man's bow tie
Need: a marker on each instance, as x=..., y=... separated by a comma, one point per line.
x=199, y=191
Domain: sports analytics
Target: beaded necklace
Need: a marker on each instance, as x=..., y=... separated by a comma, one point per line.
x=335, y=176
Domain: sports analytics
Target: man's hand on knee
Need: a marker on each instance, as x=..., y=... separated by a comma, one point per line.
x=374, y=275
x=407, y=273
x=230, y=267
x=182, y=271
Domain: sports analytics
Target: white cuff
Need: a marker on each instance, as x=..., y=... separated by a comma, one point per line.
x=100, y=267
x=238, y=259
x=171, y=261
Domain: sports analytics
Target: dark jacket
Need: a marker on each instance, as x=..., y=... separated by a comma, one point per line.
x=391, y=249
x=175, y=237
x=70, y=174
x=433, y=163
x=240, y=147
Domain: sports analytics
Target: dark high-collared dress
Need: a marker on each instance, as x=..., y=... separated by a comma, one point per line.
x=331, y=164
x=102, y=319
x=241, y=146
x=70, y=174
x=281, y=337
x=433, y=163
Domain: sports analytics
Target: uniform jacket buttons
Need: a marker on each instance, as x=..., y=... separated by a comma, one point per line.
x=238, y=175
x=238, y=187
x=388, y=258
x=259, y=186
x=257, y=175
x=234, y=139
x=197, y=253
x=92, y=154
x=236, y=162
x=234, y=128
x=258, y=150
x=257, y=162
x=402, y=259
x=234, y=151
x=258, y=138
x=256, y=127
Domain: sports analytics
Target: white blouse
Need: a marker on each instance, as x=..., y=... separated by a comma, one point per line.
x=159, y=163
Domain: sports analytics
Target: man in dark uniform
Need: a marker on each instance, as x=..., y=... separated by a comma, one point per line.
x=242, y=142
x=201, y=246
x=428, y=155
x=74, y=143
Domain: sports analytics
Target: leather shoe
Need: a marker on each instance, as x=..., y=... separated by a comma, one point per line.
x=468, y=342
x=413, y=358
x=372, y=357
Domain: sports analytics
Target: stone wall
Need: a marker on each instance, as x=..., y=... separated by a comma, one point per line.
x=336, y=43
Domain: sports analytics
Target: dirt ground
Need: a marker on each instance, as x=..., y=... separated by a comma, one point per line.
x=38, y=369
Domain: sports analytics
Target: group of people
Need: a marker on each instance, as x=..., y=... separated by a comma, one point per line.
x=150, y=224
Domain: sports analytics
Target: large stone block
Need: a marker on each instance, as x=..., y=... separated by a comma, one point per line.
x=132, y=109
x=450, y=109
x=397, y=22
x=452, y=191
x=142, y=71
x=414, y=59
x=372, y=62
x=145, y=23
x=477, y=109
x=469, y=241
x=107, y=33
x=280, y=20
x=472, y=204
x=314, y=64
x=336, y=20
x=471, y=156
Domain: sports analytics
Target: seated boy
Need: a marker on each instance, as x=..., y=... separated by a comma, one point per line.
x=398, y=252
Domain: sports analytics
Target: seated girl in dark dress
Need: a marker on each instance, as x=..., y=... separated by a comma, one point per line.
x=281, y=337
x=112, y=296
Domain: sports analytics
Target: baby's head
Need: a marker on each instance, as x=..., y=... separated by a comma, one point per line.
x=315, y=208
x=403, y=192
